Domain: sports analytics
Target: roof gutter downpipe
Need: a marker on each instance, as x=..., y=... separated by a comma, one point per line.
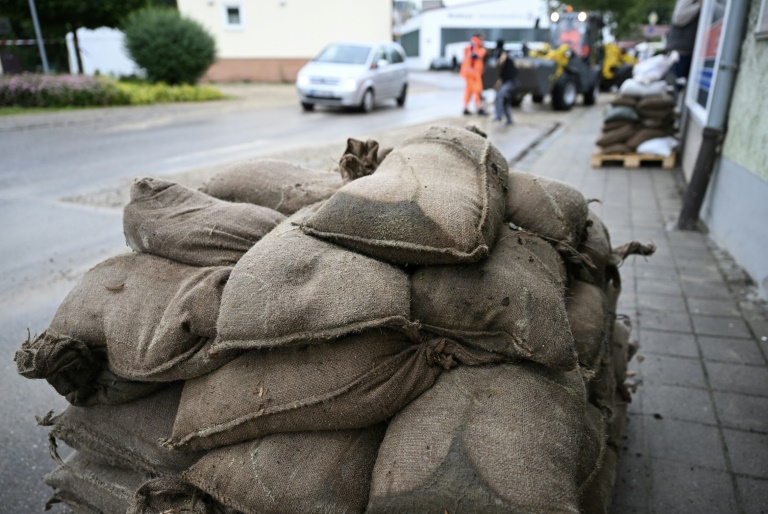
x=714, y=130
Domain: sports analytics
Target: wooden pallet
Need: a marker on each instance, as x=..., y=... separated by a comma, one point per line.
x=632, y=160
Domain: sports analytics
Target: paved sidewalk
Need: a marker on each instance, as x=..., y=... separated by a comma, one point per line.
x=697, y=437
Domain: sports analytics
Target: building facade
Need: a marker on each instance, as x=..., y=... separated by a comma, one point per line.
x=270, y=41
x=727, y=105
x=425, y=37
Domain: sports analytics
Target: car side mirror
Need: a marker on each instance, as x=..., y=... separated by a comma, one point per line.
x=382, y=63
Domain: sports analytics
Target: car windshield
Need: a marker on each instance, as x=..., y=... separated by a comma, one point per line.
x=345, y=54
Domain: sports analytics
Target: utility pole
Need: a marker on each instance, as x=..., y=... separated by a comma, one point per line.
x=39, y=36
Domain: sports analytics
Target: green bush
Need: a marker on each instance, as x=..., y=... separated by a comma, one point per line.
x=169, y=47
x=140, y=94
x=30, y=90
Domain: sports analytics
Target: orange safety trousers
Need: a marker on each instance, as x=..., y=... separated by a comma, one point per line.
x=474, y=86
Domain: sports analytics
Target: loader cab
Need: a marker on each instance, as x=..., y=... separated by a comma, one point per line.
x=581, y=31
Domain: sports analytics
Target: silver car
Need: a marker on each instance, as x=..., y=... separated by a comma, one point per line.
x=354, y=74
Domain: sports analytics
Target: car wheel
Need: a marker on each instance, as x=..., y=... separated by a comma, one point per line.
x=516, y=99
x=367, y=103
x=537, y=99
x=401, y=99
x=564, y=93
x=308, y=107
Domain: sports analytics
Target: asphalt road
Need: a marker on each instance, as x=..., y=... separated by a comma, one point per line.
x=47, y=243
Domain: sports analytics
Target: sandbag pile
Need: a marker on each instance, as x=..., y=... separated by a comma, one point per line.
x=633, y=120
x=436, y=334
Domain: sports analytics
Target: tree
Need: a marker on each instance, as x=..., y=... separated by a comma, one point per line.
x=624, y=16
x=57, y=17
x=170, y=47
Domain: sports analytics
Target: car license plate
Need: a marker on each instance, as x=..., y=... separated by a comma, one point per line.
x=322, y=94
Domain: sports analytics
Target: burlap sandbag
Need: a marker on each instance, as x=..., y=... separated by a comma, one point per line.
x=596, y=246
x=645, y=134
x=607, y=388
x=546, y=207
x=619, y=148
x=126, y=436
x=143, y=317
x=511, y=303
x=354, y=382
x=437, y=199
x=277, y=184
x=597, y=497
x=666, y=123
x=173, y=495
x=589, y=319
x=620, y=112
x=88, y=487
x=658, y=102
x=627, y=100
x=612, y=125
x=291, y=288
x=505, y=438
x=184, y=225
x=328, y=472
x=360, y=159
x=617, y=136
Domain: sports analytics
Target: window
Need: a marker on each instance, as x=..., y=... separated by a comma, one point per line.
x=396, y=57
x=233, y=16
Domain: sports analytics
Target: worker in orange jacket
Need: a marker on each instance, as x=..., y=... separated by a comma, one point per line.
x=472, y=71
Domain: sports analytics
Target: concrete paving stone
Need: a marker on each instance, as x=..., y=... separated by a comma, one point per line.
x=668, y=370
x=635, y=407
x=667, y=343
x=760, y=329
x=738, y=378
x=662, y=302
x=691, y=267
x=632, y=483
x=706, y=289
x=721, y=326
x=713, y=307
x=661, y=285
x=661, y=320
x=740, y=351
x=683, y=403
x=689, y=250
x=645, y=269
x=748, y=452
x=617, y=507
x=742, y=411
x=681, y=487
x=754, y=495
x=685, y=442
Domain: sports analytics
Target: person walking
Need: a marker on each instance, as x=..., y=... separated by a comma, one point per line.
x=682, y=34
x=505, y=87
x=472, y=72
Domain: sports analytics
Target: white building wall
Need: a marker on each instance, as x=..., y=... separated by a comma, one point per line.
x=482, y=15
x=101, y=50
x=289, y=29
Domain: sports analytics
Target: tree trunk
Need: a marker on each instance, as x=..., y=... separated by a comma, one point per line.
x=77, y=50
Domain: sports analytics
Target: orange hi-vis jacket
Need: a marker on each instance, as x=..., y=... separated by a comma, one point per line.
x=474, y=54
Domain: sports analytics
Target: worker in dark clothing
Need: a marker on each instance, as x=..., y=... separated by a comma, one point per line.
x=682, y=34
x=505, y=87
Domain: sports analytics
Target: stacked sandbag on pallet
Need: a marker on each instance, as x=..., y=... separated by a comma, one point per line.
x=640, y=119
x=436, y=334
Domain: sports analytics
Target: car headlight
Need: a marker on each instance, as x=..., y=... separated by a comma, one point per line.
x=302, y=80
x=350, y=83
